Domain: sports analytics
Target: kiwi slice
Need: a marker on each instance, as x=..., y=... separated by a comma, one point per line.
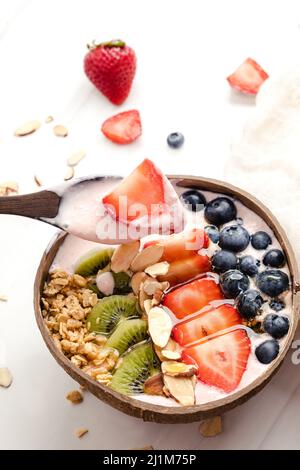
x=90, y=263
x=109, y=311
x=128, y=333
x=122, y=283
x=137, y=366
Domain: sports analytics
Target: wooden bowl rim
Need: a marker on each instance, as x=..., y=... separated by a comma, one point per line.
x=177, y=414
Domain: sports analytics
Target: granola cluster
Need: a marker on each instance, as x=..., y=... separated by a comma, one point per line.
x=67, y=301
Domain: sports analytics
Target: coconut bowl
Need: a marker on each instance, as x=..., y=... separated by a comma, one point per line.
x=178, y=414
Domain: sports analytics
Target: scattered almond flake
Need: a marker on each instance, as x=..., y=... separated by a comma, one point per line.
x=123, y=255
x=160, y=326
x=150, y=286
x=60, y=131
x=80, y=432
x=158, y=269
x=27, y=128
x=147, y=305
x=75, y=397
x=137, y=280
x=49, y=119
x=180, y=388
x=76, y=157
x=9, y=187
x=3, y=298
x=5, y=377
x=178, y=369
x=154, y=385
x=69, y=173
x=171, y=355
x=37, y=181
x=147, y=257
x=211, y=427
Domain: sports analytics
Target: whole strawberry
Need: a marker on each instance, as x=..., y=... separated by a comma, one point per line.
x=111, y=68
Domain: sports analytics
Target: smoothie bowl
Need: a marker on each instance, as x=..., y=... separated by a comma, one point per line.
x=173, y=327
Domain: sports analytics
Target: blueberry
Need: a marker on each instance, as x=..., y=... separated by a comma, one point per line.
x=175, y=140
x=194, y=200
x=249, y=303
x=213, y=233
x=220, y=210
x=277, y=326
x=249, y=265
x=233, y=282
x=234, y=238
x=274, y=258
x=260, y=240
x=277, y=305
x=272, y=282
x=223, y=261
x=267, y=351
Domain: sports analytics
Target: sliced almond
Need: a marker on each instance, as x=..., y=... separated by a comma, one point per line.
x=49, y=119
x=171, y=355
x=75, y=397
x=160, y=326
x=147, y=257
x=37, y=181
x=5, y=377
x=211, y=427
x=158, y=350
x=27, y=128
x=181, y=388
x=165, y=285
x=157, y=297
x=136, y=281
x=80, y=432
x=154, y=385
x=143, y=297
x=76, y=157
x=3, y=298
x=69, y=173
x=60, y=131
x=123, y=256
x=172, y=345
x=150, y=286
x=147, y=305
x=9, y=187
x=178, y=369
x=158, y=269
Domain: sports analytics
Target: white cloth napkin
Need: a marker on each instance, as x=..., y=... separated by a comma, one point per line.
x=265, y=158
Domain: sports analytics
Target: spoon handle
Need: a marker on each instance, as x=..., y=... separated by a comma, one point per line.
x=35, y=205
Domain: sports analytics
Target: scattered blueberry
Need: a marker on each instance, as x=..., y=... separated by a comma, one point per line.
x=213, y=233
x=223, y=261
x=175, y=140
x=193, y=199
x=267, y=351
x=277, y=305
x=276, y=325
x=260, y=240
x=234, y=238
x=220, y=210
x=249, y=303
x=272, y=282
x=249, y=265
x=274, y=258
x=233, y=282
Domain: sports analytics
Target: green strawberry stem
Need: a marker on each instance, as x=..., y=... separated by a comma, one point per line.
x=112, y=43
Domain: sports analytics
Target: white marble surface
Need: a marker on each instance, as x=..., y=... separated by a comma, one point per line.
x=185, y=50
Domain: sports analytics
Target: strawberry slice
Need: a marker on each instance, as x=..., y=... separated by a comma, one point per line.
x=123, y=128
x=206, y=323
x=192, y=297
x=248, y=77
x=181, y=245
x=143, y=187
x=222, y=360
x=186, y=269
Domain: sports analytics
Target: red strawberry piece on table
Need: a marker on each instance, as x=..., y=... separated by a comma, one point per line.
x=181, y=245
x=111, y=68
x=206, y=323
x=248, y=77
x=192, y=297
x=144, y=186
x=186, y=269
x=222, y=360
x=123, y=128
